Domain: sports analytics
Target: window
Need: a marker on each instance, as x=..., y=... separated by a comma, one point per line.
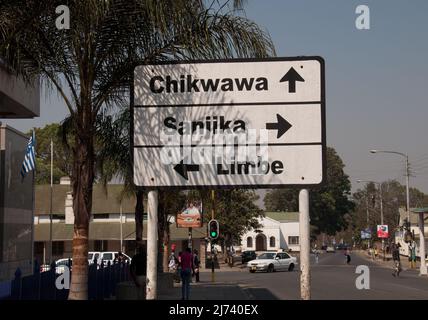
x=272, y=242
x=249, y=242
x=293, y=240
x=101, y=216
x=285, y=256
x=58, y=248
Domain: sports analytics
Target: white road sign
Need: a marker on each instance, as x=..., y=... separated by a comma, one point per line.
x=247, y=123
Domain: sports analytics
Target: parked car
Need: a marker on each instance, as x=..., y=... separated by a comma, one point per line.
x=61, y=264
x=330, y=249
x=107, y=256
x=248, y=255
x=94, y=255
x=272, y=261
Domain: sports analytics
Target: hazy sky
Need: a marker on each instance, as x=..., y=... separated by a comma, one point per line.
x=376, y=80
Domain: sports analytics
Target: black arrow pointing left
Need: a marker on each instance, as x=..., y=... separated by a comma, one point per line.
x=183, y=168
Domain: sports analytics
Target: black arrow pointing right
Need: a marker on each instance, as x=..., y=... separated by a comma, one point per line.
x=282, y=126
x=183, y=168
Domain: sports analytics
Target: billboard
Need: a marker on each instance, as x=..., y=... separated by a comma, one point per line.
x=190, y=216
x=382, y=231
x=366, y=233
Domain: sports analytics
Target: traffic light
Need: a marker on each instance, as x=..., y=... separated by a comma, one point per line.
x=213, y=229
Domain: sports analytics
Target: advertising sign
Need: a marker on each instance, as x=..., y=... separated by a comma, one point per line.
x=190, y=216
x=382, y=231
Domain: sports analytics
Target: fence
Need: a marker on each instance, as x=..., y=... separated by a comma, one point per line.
x=102, y=281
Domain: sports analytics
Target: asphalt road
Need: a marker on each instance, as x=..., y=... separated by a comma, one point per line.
x=332, y=279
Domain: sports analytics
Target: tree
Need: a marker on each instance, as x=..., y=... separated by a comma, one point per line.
x=329, y=203
x=235, y=210
x=393, y=197
x=95, y=59
x=61, y=156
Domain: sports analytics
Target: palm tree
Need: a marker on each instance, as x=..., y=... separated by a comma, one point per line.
x=95, y=59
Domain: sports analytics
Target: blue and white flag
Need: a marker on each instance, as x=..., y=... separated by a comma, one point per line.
x=29, y=163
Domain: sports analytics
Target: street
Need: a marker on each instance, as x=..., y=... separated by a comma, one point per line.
x=332, y=279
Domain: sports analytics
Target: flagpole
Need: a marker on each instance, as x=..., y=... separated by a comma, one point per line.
x=33, y=187
x=50, y=207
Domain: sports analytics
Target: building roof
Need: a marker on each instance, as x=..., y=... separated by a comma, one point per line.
x=414, y=217
x=282, y=216
x=103, y=200
x=108, y=231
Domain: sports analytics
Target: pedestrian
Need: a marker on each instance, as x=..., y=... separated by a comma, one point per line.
x=413, y=255
x=396, y=260
x=186, y=263
x=348, y=256
x=375, y=253
x=317, y=256
x=410, y=248
x=138, y=271
x=172, y=262
x=196, y=264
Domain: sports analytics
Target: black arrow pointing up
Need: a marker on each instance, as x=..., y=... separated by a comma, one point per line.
x=183, y=168
x=292, y=77
x=282, y=126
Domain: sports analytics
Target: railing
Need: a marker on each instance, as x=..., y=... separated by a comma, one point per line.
x=102, y=281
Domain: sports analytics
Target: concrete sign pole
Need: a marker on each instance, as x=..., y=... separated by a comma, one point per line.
x=305, y=275
x=152, y=245
x=423, y=267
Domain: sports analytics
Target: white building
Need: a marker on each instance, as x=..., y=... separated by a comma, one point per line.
x=279, y=230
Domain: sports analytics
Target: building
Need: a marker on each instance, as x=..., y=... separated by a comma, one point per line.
x=111, y=228
x=279, y=230
x=414, y=229
x=17, y=100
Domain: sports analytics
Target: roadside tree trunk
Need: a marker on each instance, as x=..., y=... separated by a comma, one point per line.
x=82, y=181
x=165, y=249
x=139, y=213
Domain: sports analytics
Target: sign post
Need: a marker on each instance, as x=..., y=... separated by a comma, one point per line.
x=241, y=123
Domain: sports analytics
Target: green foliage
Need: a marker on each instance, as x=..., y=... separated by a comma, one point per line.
x=61, y=155
x=393, y=197
x=329, y=203
x=235, y=211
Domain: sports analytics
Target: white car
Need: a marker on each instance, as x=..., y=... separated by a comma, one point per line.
x=111, y=256
x=272, y=261
x=61, y=264
x=92, y=256
x=330, y=249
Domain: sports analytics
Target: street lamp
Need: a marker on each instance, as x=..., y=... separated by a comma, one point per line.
x=379, y=184
x=407, y=178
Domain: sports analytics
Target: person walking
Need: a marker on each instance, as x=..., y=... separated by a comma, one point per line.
x=396, y=259
x=413, y=255
x=186, y=263
x=196, y=264
x=348, y=256
x=138, y=271
x=375, y=253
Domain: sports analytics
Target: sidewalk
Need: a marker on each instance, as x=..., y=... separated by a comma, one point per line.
x=208, y=291
x=405, y=265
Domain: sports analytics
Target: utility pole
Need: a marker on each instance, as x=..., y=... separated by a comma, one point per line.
x=211, y=240
x=423, y=267
x=367, y=207
x=407, y=189
x=381, y=217
x=152, y=244
x=305, y=276
x=121, y=229
x=190, y=239
x=50, y=208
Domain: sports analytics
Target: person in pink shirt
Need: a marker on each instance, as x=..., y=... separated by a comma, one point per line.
x=186, y=273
